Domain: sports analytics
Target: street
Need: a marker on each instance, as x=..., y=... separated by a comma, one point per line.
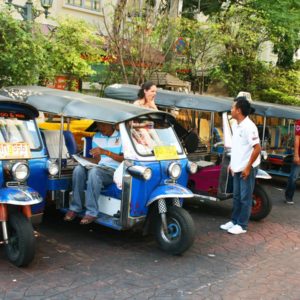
x=94, y=262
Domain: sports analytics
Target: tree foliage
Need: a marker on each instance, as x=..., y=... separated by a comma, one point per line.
x=283, y=25
x=30, y=57
x=22, y=56
x=244, y=30
x=73, y=46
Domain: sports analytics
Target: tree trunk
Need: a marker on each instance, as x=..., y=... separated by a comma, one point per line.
x=119, y=12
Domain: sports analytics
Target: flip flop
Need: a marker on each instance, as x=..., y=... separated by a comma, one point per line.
x=70, y=216
x=87, y=220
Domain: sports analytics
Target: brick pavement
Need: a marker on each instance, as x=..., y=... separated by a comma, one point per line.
x=76, y=262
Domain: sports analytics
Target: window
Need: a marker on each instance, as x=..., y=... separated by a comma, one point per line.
x=17, y=131
x=87, y=4
x=147, y=135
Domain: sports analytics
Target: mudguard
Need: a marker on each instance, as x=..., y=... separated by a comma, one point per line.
x=169, y=191
x=263, y=174
x=19, y=196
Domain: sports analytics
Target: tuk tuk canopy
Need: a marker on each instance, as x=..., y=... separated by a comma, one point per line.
x=171, y=99
x=15, y=109
x=77, y=105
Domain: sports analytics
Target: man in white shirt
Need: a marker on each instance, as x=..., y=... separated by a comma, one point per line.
x=245, y=158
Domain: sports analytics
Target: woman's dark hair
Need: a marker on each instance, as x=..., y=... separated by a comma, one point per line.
x=244, y=105
x=145, y=86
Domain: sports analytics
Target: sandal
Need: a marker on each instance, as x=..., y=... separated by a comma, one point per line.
x=87, y=220
x=70, y=216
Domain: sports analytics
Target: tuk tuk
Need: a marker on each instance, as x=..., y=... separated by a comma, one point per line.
x=153, y=176
x=212, y=181
x=23, y=170
x=277, y=140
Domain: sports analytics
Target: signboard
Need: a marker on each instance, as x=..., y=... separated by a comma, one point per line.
x=14, y=151
x=12, y=115
x=165, y=152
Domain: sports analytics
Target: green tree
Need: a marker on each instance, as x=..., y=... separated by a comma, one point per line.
x=22, y=56
x=283, y=25
x=242, y=33
x=73, y=46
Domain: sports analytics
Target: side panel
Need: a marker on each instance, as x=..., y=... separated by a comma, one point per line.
x=142, y=190
x=38, y=175
x=206, y=179
x=38, y=180
x=57, y=184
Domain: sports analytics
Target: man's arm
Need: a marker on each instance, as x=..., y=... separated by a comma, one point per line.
x=255, y=153
x=97, y=152
x=114, y=156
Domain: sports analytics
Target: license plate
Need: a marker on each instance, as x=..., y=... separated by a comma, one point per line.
x=14, y=151
x=165, y=152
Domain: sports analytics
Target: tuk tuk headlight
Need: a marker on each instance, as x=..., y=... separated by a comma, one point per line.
x=140, y=172
x=192, y=167
x=20, y=171
x=52, y=167
x=174, y=170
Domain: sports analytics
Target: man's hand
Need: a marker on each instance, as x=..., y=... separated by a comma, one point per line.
x=246, y=172
x=297, y=160
x=97, y=152
x=230, y=170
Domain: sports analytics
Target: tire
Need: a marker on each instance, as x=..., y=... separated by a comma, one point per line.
x=262, y=204
x=20, y=249
x=181, y=231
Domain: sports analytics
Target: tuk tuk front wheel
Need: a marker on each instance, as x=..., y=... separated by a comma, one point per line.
x=262, y=204
x=181, y=231
x=20, y=249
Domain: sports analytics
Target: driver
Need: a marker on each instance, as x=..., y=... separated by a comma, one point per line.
x=107, y=153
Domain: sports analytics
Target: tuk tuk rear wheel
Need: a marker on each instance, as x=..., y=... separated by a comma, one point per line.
x=262, y=204
x=181, y=231
x=20, y=249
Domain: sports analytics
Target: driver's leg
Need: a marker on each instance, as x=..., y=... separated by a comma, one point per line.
x=97, y=179
x=79, y=184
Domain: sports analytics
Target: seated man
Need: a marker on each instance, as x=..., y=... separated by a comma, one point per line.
x=106, y=151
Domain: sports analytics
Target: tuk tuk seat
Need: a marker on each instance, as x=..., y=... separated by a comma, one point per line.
x=87, y=146
x=51, y=138
x=112, y=191
x=70, y=142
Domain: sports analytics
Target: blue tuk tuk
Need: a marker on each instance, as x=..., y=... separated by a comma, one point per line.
x=23, y=172
x=152, y=178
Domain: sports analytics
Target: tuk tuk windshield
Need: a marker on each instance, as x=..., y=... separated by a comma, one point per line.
x=19, y=131
x=146, y=135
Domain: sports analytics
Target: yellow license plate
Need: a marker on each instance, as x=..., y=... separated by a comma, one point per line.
x=14, y=151
x=165, y=152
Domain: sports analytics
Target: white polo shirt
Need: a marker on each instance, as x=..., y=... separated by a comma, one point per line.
x=245, y=136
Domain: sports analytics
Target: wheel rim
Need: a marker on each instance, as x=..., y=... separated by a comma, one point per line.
x=256, y=204
x=174, y=231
